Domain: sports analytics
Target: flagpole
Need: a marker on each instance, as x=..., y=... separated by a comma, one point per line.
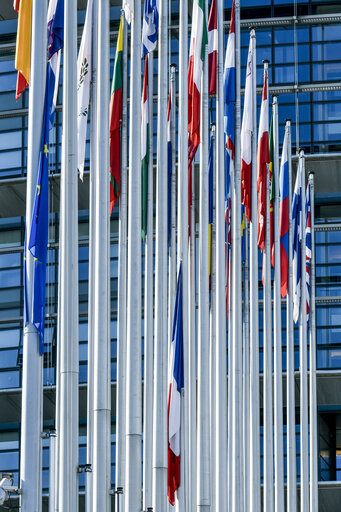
x=254, y=333
x=183, y=238
x=303, y=358
x=212, y=365
x=246, y=383
x=237, y=493
x=132, y=490
x=92, y=194
x=148, y=315
x=221, y=374
x=290, y=391
x=102, y=381
x=203, y=436
x=32, y=373
x=69, y=359
x=278, y=391
x=312, y=365
x=122, y=294
x=267, y=359
x=161, y=345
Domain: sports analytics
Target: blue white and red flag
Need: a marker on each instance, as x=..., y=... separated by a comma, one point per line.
x=176, y=383
x=297, y=238
x=284, y=216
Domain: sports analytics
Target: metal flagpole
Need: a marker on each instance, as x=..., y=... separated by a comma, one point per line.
x=69, y=424
x=278, y=391
x=122, y=294
x=237, y=410
x=132, y=489
x=148, y=315
x=161, y=327
x=203, y=436
x=312, y=366
x=221, y=375
x=183, y=239
x=102, y=381
x=267, y=361
x=246, y=376
x=303, y=358
x=93, y=170
x=212, y=364
x=291, y=428
x=52, y=471
x=254, y=332
x=32, y=373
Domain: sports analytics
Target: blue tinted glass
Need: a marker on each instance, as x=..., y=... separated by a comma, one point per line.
x=9, y=159
x=327, y=111
x=326, y=32
x=284, y=74
x=9, y=379
x=328, y=71
x=8, y=82
x=327, y=132
x=8, y=358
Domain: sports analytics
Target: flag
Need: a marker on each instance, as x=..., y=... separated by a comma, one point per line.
x=115, y=121
x=196, y=59
x=263, y=159
x=38, y=236
x=16, y=4
x=212, y=49
x=169, y=162
x=210, y=207
x=23, y=46
x=84, y=63
x=55, y=27
x=308, y=246
x=229, y=100
x=176, y=383
x=284, y=216
x=297, y=238
x=272, y=191
x=150, y=26
x=128, y=8
x=144, y=148
x=246, y=132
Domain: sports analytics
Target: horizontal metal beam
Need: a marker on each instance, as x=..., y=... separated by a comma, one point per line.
x=289, y=20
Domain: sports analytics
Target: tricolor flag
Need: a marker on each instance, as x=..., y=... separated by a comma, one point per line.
x=212, y=49
x=150, y=26
x=284, y=216
x=210, y=207
x=176, y=383
x=115, y=121
x=169, y=161
x=196, y=59
x=38, y=236
x=272, y=191
x=23, y=47
x=83, y=86
x=308, y=246
x=263, y=159
x=297, y=238
x=144, y=149
x=247, y=126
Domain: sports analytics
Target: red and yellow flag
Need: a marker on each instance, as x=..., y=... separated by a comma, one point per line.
x=23, y=49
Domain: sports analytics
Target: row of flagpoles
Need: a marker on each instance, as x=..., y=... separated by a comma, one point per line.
x=212, y=430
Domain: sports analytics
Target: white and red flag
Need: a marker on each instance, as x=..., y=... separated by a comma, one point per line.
x=176, y=383
x=247, y=125
x=212, y=49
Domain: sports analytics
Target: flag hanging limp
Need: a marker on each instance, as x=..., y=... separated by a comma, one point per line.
x=284, y=216
x=297, y=238
x=144, y=149
x=23, y=47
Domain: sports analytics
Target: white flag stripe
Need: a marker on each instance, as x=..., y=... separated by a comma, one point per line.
x=247, y=124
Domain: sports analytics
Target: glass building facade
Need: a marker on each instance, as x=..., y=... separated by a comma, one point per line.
x=305, y=71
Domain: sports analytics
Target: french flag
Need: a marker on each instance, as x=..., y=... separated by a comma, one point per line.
x=297, y=237
x=308, y=246
x=284, y=216
x=212, y=49
x=176, y=383
x=169, y=161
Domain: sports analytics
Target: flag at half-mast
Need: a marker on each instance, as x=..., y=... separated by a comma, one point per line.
x=297, y=231
x=284, y=216
x=144, y=149
x=115, y=121
x=23, y=46
x=150, y=26
x=246, y=133
x=176, y=383
x=84, y=63
x=272, y=191
x=308, y=246
x=37, y=237
x=195, y=67
x=169, y=161
x=212, y=49
x=263, y=159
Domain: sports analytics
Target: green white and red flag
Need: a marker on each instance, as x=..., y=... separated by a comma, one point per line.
x=144, y=148
x=115, y=121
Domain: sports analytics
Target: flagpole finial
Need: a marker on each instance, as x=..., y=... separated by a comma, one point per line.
x=252, y=31
x=288, y=120
x=266, y=61
x=311, y=173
